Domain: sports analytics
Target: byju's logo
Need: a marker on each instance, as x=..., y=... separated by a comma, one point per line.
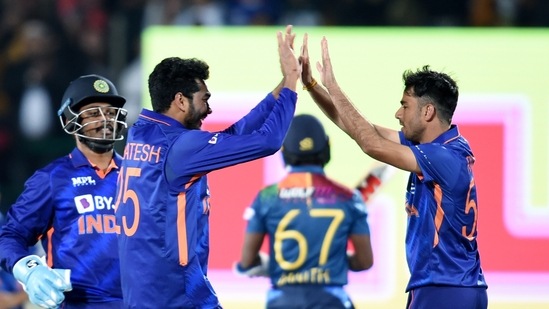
x=83, y=181
x=84, y=203
x=213, y=140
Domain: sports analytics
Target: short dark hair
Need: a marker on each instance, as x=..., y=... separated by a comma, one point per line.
x=435, y=87
x=173, y=75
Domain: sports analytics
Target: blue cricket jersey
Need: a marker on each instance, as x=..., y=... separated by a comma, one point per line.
x=441, y=202
x=309, y=219
x=69, y=206
x=163, y=200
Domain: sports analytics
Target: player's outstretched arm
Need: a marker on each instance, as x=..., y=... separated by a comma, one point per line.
x=317, y=92
x=257, y=116
x=322, y=98
x=377, y=142
x=358, y=127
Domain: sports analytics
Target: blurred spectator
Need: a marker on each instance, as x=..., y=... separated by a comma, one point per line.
x=405, y=13
x=128, y=23
x=161, y=12
x=447, y=13
x=484, y=13
x=86, y=24
x=253, y=12
x=356, y=12
x=301, y=13
x=201, y=13
x=532, y=13
x=506, y=12
x=33, y=83
x=14, y=16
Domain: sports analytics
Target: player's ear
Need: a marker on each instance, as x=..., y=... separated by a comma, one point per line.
x=180, y=101
x=429, y=111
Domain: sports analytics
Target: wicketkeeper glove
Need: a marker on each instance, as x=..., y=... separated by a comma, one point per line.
x=261, y=269
x=45, y=286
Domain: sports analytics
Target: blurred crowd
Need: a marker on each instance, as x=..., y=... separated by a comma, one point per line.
x=44, y=44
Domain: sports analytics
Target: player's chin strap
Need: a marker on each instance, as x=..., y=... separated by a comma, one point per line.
x=97, y=146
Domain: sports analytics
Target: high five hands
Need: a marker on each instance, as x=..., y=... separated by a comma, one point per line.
x=301, y=66
x=289, y=64
x=325, y=69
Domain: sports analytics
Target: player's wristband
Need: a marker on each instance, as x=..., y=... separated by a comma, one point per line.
x=311, y=85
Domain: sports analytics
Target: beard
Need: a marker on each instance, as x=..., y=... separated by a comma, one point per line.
x=413, y=133
x=194, y=118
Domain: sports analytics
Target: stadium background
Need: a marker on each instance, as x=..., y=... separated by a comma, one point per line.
x=496, y=49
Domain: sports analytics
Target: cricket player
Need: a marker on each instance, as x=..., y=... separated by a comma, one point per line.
x=309, y=220
x=69, y=207
x=441, y=195
x=163, y=201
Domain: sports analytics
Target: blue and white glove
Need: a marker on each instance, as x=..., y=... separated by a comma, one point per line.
x=45, y=286
x=259, y=270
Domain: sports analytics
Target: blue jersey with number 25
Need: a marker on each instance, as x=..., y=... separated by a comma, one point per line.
x=163, y=199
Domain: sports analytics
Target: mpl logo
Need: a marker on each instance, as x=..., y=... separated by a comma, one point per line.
x=83, y=181
x=84, y=203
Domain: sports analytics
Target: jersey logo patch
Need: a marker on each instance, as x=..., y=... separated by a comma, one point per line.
x=84, y=203
x=213, y=140
x=296, y=192
x=83, y=181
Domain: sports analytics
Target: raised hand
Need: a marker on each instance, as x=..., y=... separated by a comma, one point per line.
x=325, y=68
x=306, y=73
x=289, y=63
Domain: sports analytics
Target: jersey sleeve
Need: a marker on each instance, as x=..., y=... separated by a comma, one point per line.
x=256, y=214
x=437, y=163
x=27, y=219
x=255, y=218
x=360, y=215
x=254, y=119
x=198, y=152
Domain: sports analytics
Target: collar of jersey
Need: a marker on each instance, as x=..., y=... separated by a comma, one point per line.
x=78, y=158
x=149, y=115
x=447, y=136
